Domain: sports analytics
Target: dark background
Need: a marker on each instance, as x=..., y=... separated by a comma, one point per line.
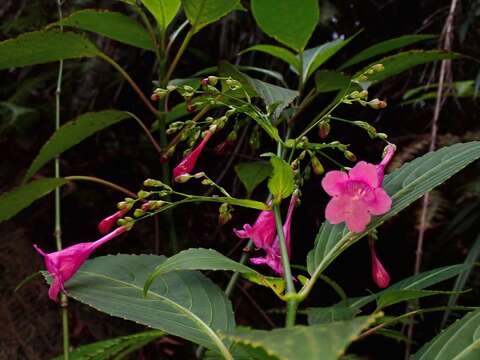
x=30, y=321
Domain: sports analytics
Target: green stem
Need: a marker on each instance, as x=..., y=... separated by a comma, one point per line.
x=132, y=83
x=233, y=280
x=58, y=219
x=179, y=54
x=292, y=303
x=102, y=182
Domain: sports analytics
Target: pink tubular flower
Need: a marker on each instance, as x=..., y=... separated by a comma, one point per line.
x=63, y=264
x=379, y=274
x=263, y=234
x=106, y=224
x=357, y=195
x=188, y=163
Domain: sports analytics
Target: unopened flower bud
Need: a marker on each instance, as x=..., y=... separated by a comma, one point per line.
x=349, y=155
x=183, y=178
x=224, y=214
x=382, y=136
x=362, y=78
x=123, y=205
x=207, y=182
x=363, y=94
x=138, y=212
x=295, y=164
x=324, y=129
x=378, y=67
x=317, y=166
x=377, y=104
x=171, y=88
x=354, y=94
x=204, y=82
x=158, y=94
x=142, y=194
x=212, y=80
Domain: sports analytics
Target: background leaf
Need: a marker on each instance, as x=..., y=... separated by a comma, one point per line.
x=108, y=349
x=278, y=52
x=288, y=21
x=393, y=296
x=113, y=25
x=281, y=183
x=182, y=303
x=398, y=63
x=329, y=80
x=252, y=174
x=305, y=342
x=40, y=47
x=14, y=201
x=203, y=12
x=72, y=133
x=404, y=185
x=386, y=46
x=460, y=340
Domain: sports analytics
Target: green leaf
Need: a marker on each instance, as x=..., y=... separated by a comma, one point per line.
x=398, y=63
x=113, y=25
x=272, y=95
x=288, y=21
x=281, y=183
x=305, y=342
x=386, y=46
x=278, y=52
x=393, y=296
x=328, y=80
x=460, y=341
x=108, y=349
x=163, y=10
x=315, y=57
x=203, y=12
x=21, y=197
x=404, y=186
x=252, y=174
x=72, y=133
x=41, y=47
x=240, y=352
x=197, y=259
x=182, y=303
x=322, y=315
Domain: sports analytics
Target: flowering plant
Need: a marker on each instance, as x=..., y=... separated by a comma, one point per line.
x=291, y=134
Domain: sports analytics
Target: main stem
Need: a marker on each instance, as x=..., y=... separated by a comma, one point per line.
x=58, y=222
x=292, y=302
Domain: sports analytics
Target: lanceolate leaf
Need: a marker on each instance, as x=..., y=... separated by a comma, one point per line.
x=281, y=183
x=110, y=24
x=278, y=52
x=40, y=47
x=328, y=80
x=404, y=185
x=14, y=201
x=203, y=12
x=163, y=10
x=72, y=133
x=197, y=259
x=290, y=22
x=386, y=46
x=398, y=63
x=315, y=57
x=460, y=341
x=108, y=349
x=185, y=304
x=393, y=297
x=325, y=342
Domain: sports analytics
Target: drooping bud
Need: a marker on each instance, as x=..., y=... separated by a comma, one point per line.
x=349, y=156
x=377, y=104
x=224, y=214
x=324, y=129
x=317, y=166
x=153, y=183
x=379, y=274
x=158, y=94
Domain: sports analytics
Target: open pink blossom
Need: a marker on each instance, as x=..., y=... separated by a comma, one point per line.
x=63, y=264
x=188, y=163
x=106, y=224
x=264, y=236
x=357, y=195
x=379, y=274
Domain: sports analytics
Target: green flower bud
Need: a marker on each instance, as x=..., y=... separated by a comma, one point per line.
x=138, y=212
x=317, y=166
x=349, y=156
x=142, y=194
x=324, y=129
x=212, y=80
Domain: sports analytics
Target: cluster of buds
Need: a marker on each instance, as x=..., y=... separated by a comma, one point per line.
x=370, y=71
x=361, y=98
x=174, y=127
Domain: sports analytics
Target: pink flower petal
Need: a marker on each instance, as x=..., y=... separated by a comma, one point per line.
x=381, y=204
x=188, y=163
x=333, y=182
x=365, y=172
x=335, y=210
x=357, y=216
